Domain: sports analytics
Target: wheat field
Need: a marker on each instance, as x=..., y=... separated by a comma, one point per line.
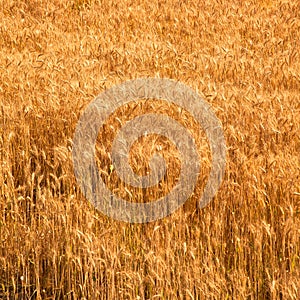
x=242, y=57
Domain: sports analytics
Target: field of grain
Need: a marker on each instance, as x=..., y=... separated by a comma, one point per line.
x=242, y=57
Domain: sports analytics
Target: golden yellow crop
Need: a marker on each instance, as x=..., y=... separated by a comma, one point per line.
x=242, y=57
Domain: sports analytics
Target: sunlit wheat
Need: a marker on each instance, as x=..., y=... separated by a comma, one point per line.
x=242, y=58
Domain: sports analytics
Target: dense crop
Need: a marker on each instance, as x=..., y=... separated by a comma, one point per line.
x=242, y=57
